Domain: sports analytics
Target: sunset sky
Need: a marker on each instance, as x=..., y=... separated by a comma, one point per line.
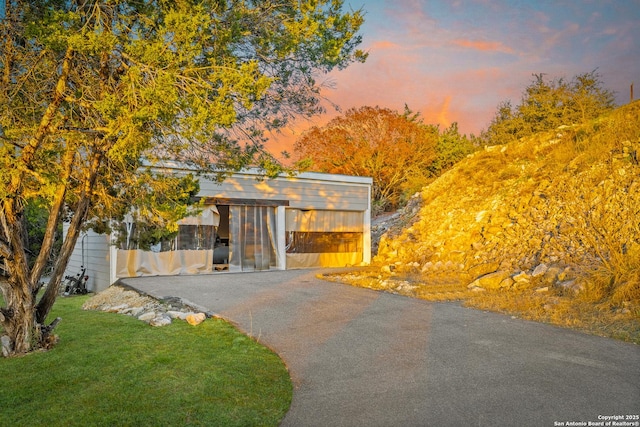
x=454, y=61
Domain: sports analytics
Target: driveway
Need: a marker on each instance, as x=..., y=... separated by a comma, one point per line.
x=359, y=357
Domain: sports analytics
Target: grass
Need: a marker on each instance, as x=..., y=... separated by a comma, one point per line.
x=596, y=318
x=114, y=370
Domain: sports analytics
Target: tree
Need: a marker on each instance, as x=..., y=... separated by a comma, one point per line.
x=451, y=148
x=93, y=92
x=547, y=104
x=394, y=149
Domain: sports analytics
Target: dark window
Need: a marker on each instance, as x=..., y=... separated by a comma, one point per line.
x=196, y=236
x=301, y=242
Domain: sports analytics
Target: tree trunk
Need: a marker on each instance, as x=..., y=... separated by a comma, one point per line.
x=79, y=216
x=23, y=320
x=52, y=223
x=18, y=317
x=18, y=322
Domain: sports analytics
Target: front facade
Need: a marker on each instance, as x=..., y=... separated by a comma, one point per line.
x=246, y=224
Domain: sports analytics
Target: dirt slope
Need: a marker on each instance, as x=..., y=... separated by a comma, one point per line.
x=557, y=213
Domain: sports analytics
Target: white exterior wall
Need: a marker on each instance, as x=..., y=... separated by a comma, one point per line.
x=95, y=256
x=304, y=191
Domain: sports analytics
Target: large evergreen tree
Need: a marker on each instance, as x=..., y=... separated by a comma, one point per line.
x=92, y=92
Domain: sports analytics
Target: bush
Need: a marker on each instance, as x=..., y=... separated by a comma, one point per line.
x=547, y=105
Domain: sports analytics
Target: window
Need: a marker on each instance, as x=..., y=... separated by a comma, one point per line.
x=196, y=237
x=303, y=242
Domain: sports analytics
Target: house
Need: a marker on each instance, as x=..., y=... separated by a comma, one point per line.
x=246, y=224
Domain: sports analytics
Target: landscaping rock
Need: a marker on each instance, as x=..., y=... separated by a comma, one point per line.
x=116, y=308
x=121, y=300
x=148, y=316
x=162, y=320
x=177, y=314
x=195, y=319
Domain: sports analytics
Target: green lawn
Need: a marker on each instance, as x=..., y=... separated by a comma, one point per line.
x=115, y=370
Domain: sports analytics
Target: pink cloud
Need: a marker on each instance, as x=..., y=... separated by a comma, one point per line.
x=440, y=60
x=384, y=44
x=485, y=46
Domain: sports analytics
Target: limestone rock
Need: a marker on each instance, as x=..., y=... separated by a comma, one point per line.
x=482, y=269
x=177, y=314
x=507, y=283
x=146, y=317
x=539, y=270
x=136, y=311
x=522, y=277
x=162, y=320
x=155, y=312
x=494, y=280
x=571, y=286
x=196, y=319
x=116, y=308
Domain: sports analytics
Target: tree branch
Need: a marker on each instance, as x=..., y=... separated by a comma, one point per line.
x=53, y=220
x=44, y=128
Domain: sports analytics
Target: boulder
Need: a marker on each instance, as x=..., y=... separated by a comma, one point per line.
x=116, y=308
x=177, y=314
x=162, y=320
x=196, y=319
x=571, y=286
x=146, y=317
x=522, y=278
x=496, y=280
x=480, y=270
x=539, y=270
x=136, y=311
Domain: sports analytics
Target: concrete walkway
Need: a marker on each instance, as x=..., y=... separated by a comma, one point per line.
x=364, y=358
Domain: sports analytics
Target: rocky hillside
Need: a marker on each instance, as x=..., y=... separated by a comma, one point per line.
x=562, y=207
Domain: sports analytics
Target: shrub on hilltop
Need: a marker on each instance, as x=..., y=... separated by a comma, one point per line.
x=547, y=104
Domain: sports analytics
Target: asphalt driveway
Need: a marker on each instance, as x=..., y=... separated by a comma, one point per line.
x=363, y=358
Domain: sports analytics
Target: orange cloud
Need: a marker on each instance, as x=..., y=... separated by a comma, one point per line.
x=384, y=44
x=485, y=46
x=443, y=115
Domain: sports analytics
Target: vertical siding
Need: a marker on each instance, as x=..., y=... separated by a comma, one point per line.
x=95, y=257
